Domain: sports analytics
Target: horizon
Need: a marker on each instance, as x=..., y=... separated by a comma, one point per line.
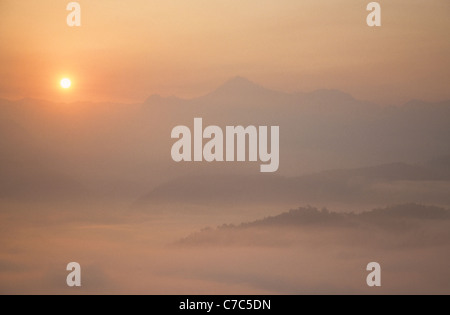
x=288, y=46
x=233, y=79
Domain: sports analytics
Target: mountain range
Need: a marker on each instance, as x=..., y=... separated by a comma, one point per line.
x=385, y=184
x=123, y=150
x=412, y=224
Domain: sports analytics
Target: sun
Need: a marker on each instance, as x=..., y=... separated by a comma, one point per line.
x=65, y=83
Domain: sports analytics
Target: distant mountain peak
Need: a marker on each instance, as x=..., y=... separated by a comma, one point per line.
x=239, y=81
x=240, y=86
x=331, y=94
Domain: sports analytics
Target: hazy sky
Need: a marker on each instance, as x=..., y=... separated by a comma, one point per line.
x=128, y=50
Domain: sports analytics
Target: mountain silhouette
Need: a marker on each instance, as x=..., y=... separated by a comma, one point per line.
x=417, y=224
x=349, y=186
x=125, y=148
x=241, y=87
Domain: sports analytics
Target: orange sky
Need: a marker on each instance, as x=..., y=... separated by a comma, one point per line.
x=128, y=50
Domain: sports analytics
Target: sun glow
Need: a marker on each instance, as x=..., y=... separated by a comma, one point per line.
x=65, y=83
